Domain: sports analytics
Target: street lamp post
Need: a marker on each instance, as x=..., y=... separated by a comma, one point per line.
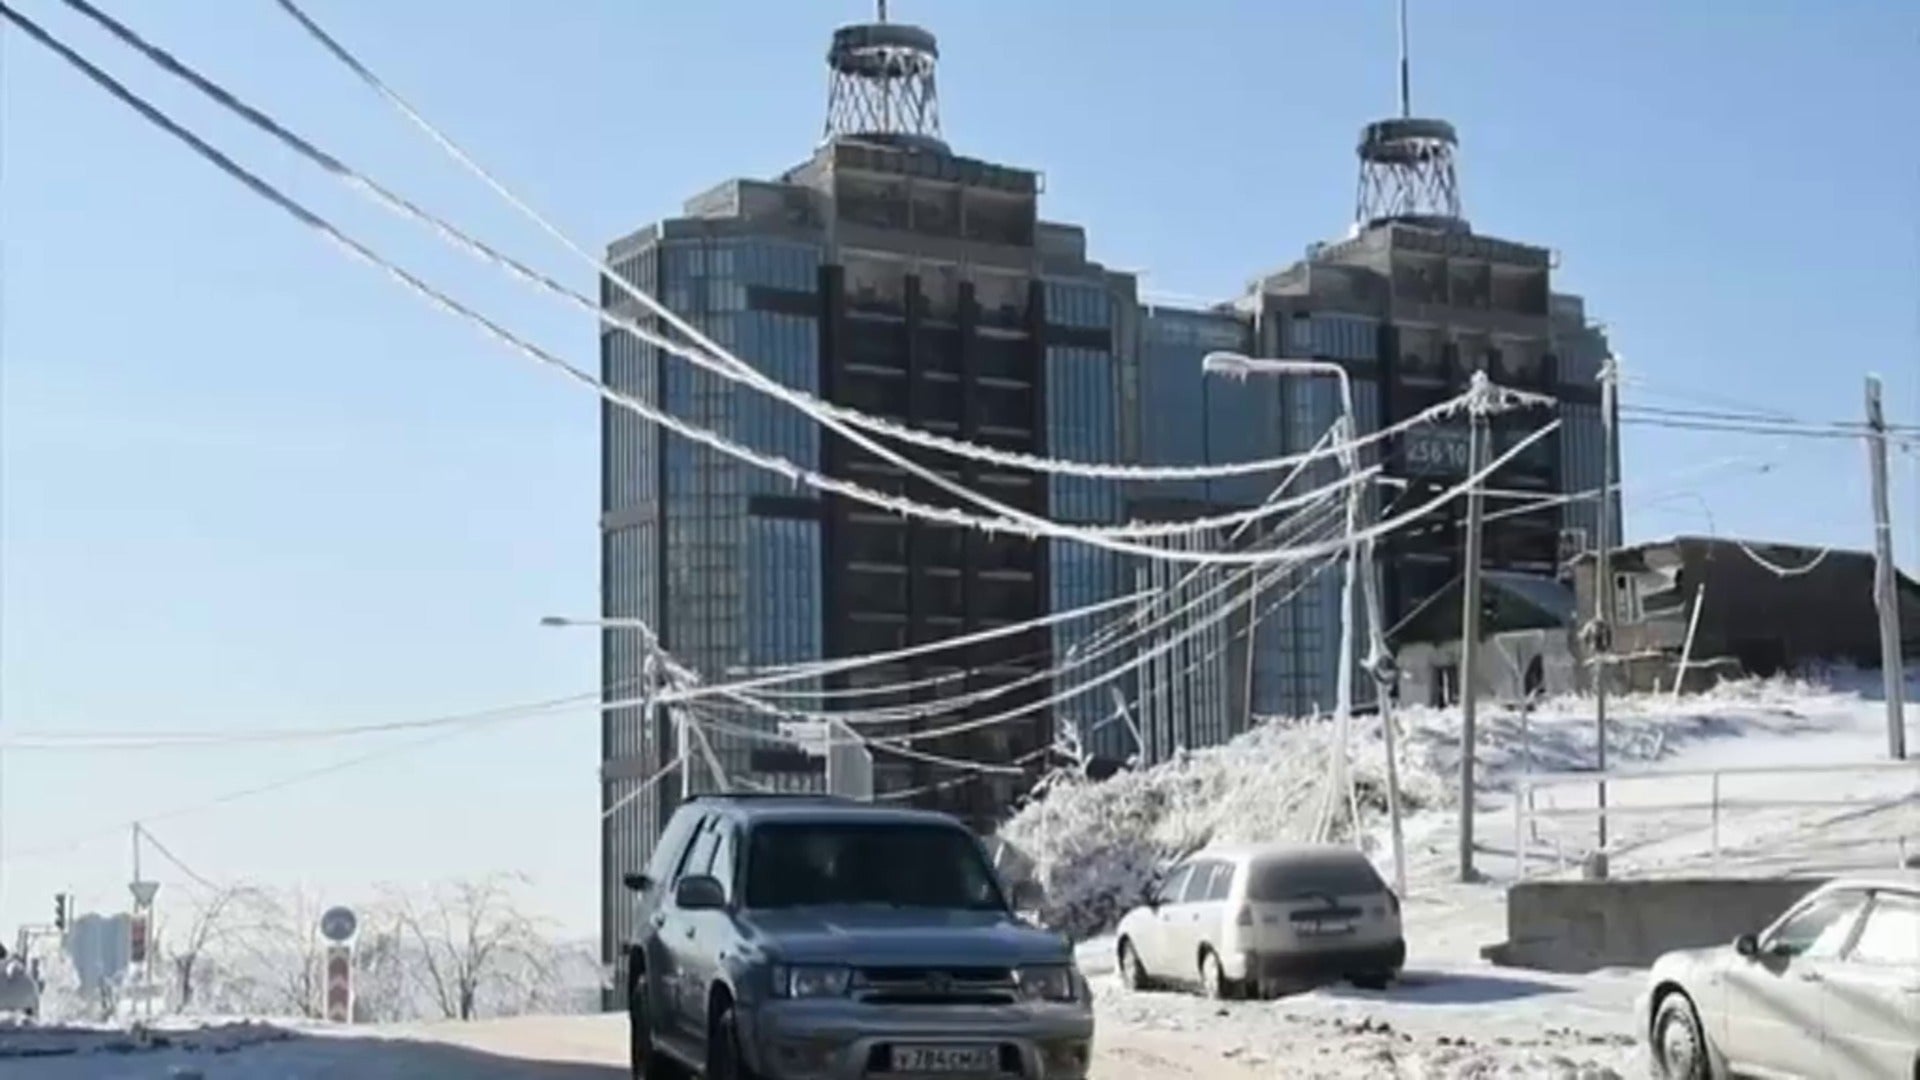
x=1360, y=565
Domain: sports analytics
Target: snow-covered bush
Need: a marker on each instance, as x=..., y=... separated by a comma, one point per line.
x=1096, y=846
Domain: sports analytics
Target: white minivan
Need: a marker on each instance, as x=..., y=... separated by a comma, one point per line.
x=1265, y=919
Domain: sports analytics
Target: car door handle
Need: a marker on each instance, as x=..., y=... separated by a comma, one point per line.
x=1811, y=976
x=692, y=930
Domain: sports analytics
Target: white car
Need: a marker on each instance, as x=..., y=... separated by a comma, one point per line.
x=1831, y=989
x=1260, y=919
x=19, y=990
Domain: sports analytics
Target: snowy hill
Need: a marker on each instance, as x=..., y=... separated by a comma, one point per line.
x=1096, y=845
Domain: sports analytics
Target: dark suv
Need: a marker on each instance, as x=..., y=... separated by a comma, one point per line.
x=814, y=938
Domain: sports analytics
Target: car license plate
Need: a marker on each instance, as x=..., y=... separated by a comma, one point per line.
x=944, y=1059
x=1325, y=929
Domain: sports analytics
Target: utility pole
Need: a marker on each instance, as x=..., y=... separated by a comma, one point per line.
x=1470, y=625
x=1603, y=594
x=1886, y=578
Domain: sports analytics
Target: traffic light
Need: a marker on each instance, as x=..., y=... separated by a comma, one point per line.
x=60, y=912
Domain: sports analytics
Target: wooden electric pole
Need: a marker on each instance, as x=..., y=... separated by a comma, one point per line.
x=1886, y=578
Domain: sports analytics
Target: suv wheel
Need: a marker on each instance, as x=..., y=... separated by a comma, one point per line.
x=645, y=1062
x=1679, y=1046
x=724, y=1061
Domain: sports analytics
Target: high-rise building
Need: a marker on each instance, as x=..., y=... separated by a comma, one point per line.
x=888, y=274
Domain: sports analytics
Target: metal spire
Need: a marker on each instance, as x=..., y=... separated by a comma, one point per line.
x=1406, y=91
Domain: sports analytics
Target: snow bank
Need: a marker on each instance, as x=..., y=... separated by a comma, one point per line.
x=1096, y=846
x=28, y=1041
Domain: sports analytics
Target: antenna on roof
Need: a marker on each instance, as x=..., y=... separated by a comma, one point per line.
x=1407, y=164
x=1406, y=78
x=881, y=84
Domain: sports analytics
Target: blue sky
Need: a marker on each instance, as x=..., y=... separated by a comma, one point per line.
x=248, y=483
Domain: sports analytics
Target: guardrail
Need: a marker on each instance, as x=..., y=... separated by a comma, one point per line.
x=1525, y=814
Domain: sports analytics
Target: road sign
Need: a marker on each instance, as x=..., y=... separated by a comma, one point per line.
x=338, y=924
x=144, y=892
x=339, y=984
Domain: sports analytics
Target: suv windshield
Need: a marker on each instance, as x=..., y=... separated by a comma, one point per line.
x=798, y=864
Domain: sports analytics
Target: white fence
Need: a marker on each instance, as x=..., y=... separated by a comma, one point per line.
x=1527, y=815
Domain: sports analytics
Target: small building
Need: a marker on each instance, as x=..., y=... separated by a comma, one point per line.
x=1763, y=608
x=1528, y=648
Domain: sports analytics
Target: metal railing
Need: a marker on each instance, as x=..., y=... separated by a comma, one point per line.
x=1526, y=814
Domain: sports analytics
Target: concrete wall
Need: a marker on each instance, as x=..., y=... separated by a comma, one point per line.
x=1581, y=926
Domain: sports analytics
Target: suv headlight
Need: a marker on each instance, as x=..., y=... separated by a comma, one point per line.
x=810, y=981
x=1053, y=982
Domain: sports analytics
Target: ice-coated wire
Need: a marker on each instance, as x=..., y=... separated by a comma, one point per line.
x=784, y=739
x=831, y=667
x=1097, y=680
x=903, y=741
x=1098, y=646
x=645, y=785
x=1016, y=521
x=716, y=358
x=1391, y=524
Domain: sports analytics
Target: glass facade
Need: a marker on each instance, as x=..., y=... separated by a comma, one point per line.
x=681, y=549
x=1083, y=423
x=1185, y=689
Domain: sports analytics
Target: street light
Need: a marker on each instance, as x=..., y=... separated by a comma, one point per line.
x=1359, y=563
x=563, y=622
x=653, y=667
x=1239, y=366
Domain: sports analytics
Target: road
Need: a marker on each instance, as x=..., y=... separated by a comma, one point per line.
x=1479, y=1024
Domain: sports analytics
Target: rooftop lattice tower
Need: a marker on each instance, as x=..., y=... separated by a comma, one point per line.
x=1407, y=164
x=880, y=83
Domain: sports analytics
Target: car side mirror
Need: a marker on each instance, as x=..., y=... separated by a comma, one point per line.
x=699, y=893
x=1747, y=945
x=1028, y=896
x=636, y=881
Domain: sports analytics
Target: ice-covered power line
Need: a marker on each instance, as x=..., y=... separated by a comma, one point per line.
x=124, y=739
x=645, y=785
x=1016, y=522
x=822, y=668
x=901, y=745
x=1076, y=660
x=1094, y=681
x=723, y=365
x=1086, y=653
x=1778, y=570
x=251, y=791
x=714, y=357
x=193, y=875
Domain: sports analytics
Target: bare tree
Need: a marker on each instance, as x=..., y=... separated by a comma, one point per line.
x=382, y=980
x=210, y=924
x=272, y=952
x=476, y=946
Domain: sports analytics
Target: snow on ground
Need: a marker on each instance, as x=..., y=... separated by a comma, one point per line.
x=1096, y=844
